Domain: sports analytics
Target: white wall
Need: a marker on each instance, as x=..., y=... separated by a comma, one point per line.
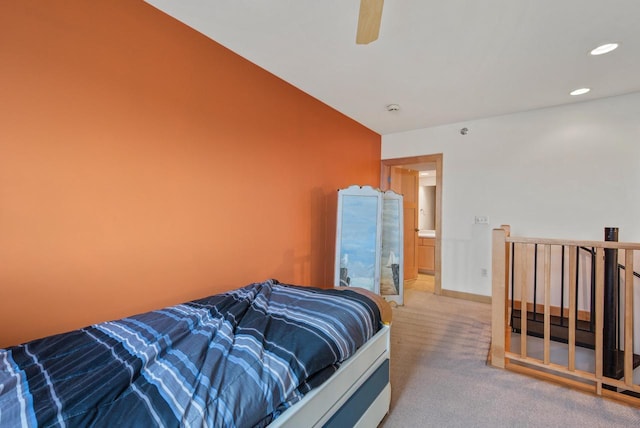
x=562, y=172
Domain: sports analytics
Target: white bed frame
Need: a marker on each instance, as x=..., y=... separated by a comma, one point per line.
x=320, y=404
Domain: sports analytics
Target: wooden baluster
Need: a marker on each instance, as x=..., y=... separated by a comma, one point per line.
x=572, y=306
x=498, y=298
x=522, y=271
x=599, y=313
x=547, y=304
x=507, y=278
x=628, y=317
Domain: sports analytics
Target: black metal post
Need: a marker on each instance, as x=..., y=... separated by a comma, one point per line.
x=592, y=318
x=535, y=282
x=562, y=290
x=610, y=321
x=513, y=290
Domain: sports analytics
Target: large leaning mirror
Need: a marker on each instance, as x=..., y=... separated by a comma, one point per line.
x=369, y=241
x=391, y=272
x=358, y=238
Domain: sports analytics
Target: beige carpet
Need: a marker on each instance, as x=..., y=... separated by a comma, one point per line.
x=439, y=376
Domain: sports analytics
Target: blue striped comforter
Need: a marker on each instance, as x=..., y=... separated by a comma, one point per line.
x=235, y=359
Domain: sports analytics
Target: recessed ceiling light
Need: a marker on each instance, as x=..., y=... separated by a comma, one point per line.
x=580, y=91
x=603, y=49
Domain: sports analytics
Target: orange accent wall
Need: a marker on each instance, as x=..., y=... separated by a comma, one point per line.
x=142, y=165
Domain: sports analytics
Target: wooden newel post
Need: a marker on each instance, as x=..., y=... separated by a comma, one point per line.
x=499, y=275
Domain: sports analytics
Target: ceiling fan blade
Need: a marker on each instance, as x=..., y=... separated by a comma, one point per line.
x=369, y=21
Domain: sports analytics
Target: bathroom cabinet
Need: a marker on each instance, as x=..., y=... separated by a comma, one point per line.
x=426, y=255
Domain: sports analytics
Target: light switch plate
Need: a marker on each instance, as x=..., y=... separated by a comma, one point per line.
x=481, y=219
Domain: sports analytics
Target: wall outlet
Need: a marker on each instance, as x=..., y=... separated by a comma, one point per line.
x=484, y=273
x=481, y=219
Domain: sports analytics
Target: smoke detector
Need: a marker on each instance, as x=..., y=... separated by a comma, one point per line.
x=393, y=107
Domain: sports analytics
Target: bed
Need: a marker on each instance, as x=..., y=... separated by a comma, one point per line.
x=268, y=354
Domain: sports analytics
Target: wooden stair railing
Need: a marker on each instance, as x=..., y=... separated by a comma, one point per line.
x=585, y=322
x=511, y=264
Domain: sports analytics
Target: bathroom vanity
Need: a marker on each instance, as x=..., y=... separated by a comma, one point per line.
x=426, y=251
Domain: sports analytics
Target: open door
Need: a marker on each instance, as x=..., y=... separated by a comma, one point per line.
x=406, y=181
x=389, y=178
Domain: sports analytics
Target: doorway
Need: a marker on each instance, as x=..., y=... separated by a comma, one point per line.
x=420, y=163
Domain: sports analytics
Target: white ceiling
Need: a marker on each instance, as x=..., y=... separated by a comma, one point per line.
x=442, y=61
